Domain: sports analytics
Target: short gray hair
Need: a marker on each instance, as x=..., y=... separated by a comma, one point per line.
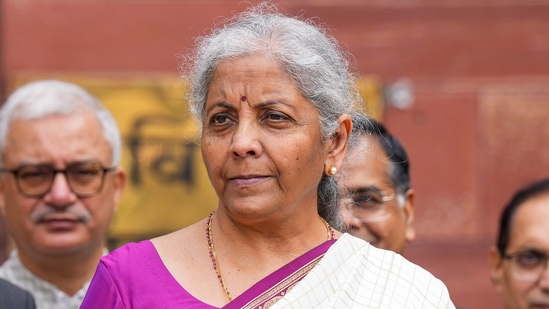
x=43, y=98
x=308, y=55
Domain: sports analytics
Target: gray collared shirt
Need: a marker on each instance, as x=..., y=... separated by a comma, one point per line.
x=46, y=295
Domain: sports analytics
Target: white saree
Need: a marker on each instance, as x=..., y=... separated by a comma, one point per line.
x=354, y=274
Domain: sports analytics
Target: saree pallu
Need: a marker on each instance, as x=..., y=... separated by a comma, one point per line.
x=272, y=288
x=354, y=274
x=347, y=273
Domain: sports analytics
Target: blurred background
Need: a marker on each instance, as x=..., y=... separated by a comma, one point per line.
x=464, y=84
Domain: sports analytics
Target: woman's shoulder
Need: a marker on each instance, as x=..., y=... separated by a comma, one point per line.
x=388, y=271
x=133, y=252
x=181, y=242
x=134, y=261
x=386, y=263
x=152, y=251
x=135, y=269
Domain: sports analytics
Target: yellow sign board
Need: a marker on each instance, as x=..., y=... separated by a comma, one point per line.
x=168, y=187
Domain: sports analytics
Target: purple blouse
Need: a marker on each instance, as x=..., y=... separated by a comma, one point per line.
x=134, y=276
x=140, y=281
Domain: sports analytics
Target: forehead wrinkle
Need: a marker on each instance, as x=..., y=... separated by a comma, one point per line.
x=49, y=141
x=269, y=103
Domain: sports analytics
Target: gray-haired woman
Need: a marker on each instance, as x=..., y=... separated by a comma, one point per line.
x=272, y=94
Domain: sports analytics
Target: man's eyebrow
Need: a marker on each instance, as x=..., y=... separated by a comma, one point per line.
x=533, y=250
x=366, y=189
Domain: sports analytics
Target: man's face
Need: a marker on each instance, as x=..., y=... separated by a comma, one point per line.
x=367, y=170
x=59, y=222
x=529, y=234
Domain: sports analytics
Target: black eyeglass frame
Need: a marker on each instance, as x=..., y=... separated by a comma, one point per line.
x=383, y=198
x=17, y=170
x=513, y=256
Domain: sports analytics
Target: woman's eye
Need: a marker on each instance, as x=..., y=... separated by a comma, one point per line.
x=219, y=119
x=276, y=116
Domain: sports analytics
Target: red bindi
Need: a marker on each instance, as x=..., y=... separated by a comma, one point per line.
x=243, y=98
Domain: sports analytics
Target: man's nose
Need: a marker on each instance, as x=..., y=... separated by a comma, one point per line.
x=60, y=193
x=347, y=214
x=544, y=279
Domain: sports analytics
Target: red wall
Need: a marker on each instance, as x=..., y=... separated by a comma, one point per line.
x=476, y=132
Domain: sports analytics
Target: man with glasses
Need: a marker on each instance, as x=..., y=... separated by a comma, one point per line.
x=519, y=259
x=375, y=177
x=59, y=188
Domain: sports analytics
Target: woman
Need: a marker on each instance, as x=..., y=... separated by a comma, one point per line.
x=272, y=94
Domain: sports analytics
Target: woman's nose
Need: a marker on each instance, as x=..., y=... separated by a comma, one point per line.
x=246, y=140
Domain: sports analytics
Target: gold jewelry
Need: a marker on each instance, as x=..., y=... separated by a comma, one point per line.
x=213, y=255
x=333, y=170
x=329, y=229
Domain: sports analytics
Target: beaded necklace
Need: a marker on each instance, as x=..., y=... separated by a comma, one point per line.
x=213, y=255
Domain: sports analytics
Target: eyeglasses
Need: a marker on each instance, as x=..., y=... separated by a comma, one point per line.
x=369, y=205
x=527, y=265
x=85, y=179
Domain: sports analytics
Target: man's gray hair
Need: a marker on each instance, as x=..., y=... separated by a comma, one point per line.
x=44, y=98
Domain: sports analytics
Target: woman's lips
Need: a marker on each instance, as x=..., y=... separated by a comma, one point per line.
x=248, y=180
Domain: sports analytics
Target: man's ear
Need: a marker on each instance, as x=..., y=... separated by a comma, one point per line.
x=119, y=183
x=496, y=267
x=2, y=196
x=338, y=142
x=409, y=209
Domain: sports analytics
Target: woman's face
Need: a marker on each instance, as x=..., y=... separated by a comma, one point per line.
x=261, y=140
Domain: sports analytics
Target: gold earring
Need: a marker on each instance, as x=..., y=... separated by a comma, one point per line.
x=333, y=170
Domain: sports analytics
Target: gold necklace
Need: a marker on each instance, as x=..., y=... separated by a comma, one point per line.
x=213, y=255
x=329, y=229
